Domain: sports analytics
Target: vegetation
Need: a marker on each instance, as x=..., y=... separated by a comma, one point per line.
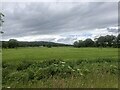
x=60, y=67
x=13, y=43
x=102, y=41
x=65, y=53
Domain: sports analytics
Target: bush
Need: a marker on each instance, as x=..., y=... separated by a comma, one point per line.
x=33, y=71
x=23, y=65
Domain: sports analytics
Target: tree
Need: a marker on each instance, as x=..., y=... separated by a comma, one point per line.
x=101, y=41
x=109, y=40
x=81, y=43
x=12, y=43
x=89, y=43
x=4, y=44
x=76, y=44
x=49, y=45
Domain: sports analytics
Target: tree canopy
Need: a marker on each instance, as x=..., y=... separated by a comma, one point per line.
x=102, y=41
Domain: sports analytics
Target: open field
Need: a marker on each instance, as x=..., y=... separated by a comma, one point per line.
x=58, y=53
x=60, y=67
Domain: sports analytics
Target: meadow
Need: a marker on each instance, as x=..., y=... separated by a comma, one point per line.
x=60, y=67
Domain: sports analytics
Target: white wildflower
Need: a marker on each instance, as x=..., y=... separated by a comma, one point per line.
x=63, y=65
x=81, y=74
x=73, y=70
x=63, y=62
x=55, y=64
x=69, y=67
x=111, y=65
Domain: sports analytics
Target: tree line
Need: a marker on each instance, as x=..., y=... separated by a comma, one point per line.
x=13, y=43
x=102, y=41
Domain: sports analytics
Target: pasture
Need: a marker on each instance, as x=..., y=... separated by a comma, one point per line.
x=60, y=67
x=66, y=53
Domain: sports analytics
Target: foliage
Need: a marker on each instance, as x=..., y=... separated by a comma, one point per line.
x=65, y=67
x=9, y=44
x=50, y=69
x=102, y=41
x=12, y=43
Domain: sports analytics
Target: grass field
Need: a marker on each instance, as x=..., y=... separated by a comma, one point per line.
x=58, y=53
x=60, y=67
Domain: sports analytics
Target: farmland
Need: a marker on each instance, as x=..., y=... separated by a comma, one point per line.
x=60, y=67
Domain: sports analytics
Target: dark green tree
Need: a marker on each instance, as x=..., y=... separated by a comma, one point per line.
x=4, y=44
x=109, y=40
x=88, y=43
x=81, y=43
x=13, y=43
x=101, y=41
x=76, y=44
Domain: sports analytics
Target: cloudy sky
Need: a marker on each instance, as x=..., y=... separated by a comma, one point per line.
x=59, y=22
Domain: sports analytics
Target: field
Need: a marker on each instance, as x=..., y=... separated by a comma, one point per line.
x=60, y=67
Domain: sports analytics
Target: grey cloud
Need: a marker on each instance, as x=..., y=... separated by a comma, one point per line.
x=113, y=30
x=39, y=19
x=67, y=40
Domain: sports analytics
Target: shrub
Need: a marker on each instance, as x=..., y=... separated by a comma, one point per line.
x=23, y=65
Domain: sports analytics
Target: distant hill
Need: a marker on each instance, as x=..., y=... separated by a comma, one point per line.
x=35, y=44
x=40, y=43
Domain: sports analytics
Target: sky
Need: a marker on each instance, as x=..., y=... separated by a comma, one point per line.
x=61, y=22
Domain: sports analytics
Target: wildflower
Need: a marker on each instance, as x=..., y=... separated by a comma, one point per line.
x=111, y=65
x=73, y=70
x=81, y=74
x=69, y=67
x=63, y=62
x=78, y=69
x=63, y=65
x=55, y=64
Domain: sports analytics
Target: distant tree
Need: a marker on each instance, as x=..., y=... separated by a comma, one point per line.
x=81, y=43
x=89, y=43
x=49, y=45
x=12, y=43
x=4, y=44
x=76, y=44
x=109, y=40
x=101, y=41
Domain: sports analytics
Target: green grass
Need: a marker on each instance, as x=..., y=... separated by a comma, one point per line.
x=60, y=67
x=58, y=53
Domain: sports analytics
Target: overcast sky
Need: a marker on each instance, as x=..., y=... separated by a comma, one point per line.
x=59, y=22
